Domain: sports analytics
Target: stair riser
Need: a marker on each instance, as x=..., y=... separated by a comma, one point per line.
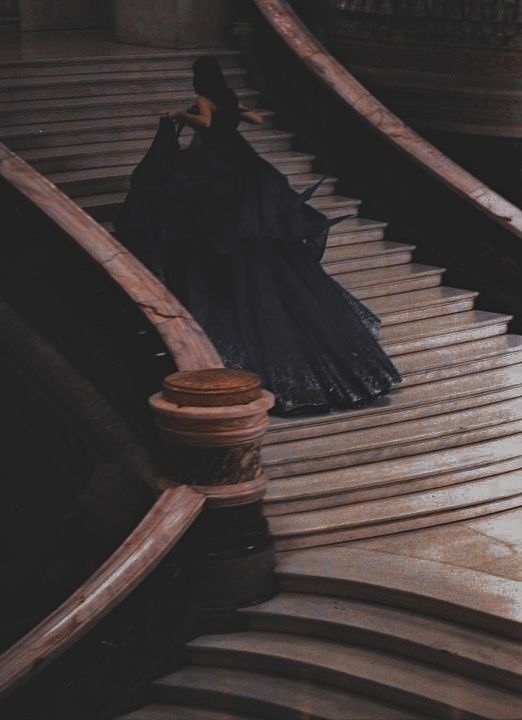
x=305, y=669
x=114, y=159
x=454, y=338
x=327, y=188
x=368, y=263
x=389, y=643
x=352, y=238
x=109, y=109
x=390, y=288
x=414, y=411
x=509, y=425
x=100, y=88
x=345, y=499
x=428, y=312
x=87, y=67
x=410, y=524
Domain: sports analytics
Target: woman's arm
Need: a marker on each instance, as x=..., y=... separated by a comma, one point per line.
x=250, y=116
x=203, y=117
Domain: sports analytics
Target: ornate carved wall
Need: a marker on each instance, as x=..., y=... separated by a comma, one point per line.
x=451, y=68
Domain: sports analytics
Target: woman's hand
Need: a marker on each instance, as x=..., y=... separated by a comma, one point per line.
x=174, y=114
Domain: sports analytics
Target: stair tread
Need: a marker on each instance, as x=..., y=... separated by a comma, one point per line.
x=453, y=641
x=441, y=325
x=398, y=507
x=362, y=446
x=277, y=693
x=486, y=383
x=162, y=54
x=109, y=100
x=142, y=144
x=340, y=663
x=362, y=278
x=417, y=298
x=128, y=75
x=408, y=583
x=356, y=250
x=147, y=121
x=396, y=470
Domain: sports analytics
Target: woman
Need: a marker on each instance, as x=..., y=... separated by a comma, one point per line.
x=225, y=232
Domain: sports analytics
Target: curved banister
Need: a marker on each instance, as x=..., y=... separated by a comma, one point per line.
x=188, y=344
x=176, y=508
x=148, y=544
x=338, y=79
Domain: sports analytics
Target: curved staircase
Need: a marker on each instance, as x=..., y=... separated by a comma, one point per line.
x=355, y=634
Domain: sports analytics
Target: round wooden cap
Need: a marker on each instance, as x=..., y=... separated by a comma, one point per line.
x=212, y=388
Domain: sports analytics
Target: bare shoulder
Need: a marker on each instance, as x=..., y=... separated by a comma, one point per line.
x=204, y=103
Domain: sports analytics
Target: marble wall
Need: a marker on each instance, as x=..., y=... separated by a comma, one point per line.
x=61, y=14
x=172, y=23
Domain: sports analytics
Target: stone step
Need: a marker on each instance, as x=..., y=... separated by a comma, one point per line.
x=365, y=284
x=458, y=360
x=288, y=162
x=179, y=712
x=273, y=697
x=450, y=646
x=351, y=230
x=469, y=597
x=390, y=478
x=102, y=107
x=302, y=182
x=340, y=253
x=166, y=60
x=411, y=337
x=421, y=509
x=386, y=677
x=422, y=304
x=364, y=256
x=334, y=202
x=112, y=180
x=394, y=440
x=108, y=130
x=104, y=85
x=407, y=403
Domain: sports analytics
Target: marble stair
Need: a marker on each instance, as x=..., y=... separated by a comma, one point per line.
x=354, y=634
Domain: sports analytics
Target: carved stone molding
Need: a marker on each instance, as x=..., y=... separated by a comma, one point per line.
x=474, y=22
x=212, y=423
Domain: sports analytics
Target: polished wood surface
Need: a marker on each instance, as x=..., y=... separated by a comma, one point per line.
x=190, y=347
x=286, y=23
x=151, y=541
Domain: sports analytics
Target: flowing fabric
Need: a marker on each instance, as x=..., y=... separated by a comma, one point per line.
x=222, y=228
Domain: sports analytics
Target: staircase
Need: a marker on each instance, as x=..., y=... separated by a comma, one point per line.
x=354, y=634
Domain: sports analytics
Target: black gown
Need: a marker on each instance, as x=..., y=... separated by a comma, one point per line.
x=222, y=229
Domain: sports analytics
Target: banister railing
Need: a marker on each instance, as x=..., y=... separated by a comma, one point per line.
x=342, y=83
x=186, y=341
x=148, y=544
x=176, y=508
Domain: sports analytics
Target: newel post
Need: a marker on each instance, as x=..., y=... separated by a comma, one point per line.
x=213, y=422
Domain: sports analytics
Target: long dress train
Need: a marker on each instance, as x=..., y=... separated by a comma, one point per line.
x=222, y=228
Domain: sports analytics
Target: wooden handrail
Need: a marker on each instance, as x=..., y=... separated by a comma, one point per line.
x=188, y=344
x=148, y=544
x=339, y=80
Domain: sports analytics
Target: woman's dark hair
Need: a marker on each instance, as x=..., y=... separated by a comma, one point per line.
x=210, y=82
